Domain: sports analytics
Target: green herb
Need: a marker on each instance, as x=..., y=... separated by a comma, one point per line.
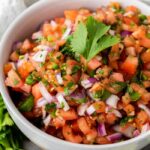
x=135, y=96
x=101, y=72
x=55, y=66
x=75, y=69
x=45, y=82
x=143, y=77
x=16, y=82
x=92, y=73
x=148, y=35
x=68, y=87
x=82, y=100
x=53, y=113
x=41, y=64
x=103, y=94
x=105, y=60
x=27, y=104
x=118, y=86
x=49, y=39
x=92, y=38
x=9, y=140
x=21, y=57
x=142, y=18
x=32, y=78
x=125, y=120
x=62, y=105
x=132, y=24
x=50, y=106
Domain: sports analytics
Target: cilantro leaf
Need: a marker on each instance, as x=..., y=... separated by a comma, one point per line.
x=78, y=42
x=91, y=38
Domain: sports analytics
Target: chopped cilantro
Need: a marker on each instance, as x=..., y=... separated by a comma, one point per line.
x=75, y=69
x=103, y=94
x=142, y=18
x=126, y=120
x=55, y=66
x=68, y=87
x=101, y=72
x=27, y=104
x=50, y=106
x=16, y=82
x=135, y=96
x=118, y=86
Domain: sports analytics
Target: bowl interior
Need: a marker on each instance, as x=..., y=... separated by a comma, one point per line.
x=23, y=27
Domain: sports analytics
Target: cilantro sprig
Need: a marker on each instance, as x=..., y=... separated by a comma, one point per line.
x=91, y=38
x=9, y=140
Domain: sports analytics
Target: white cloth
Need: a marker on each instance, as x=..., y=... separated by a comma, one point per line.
x=9, y=9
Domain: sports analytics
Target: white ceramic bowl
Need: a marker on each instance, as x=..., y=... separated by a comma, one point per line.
x=22, y=27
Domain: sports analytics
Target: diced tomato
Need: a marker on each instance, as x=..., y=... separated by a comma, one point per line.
x=58, y=122
x=117, y=77
x=60, y=20
x=25, y=69
x=71, y=14
x=14, y=56
x=47, y=29
x=7, y=67
x=129, y=66
x=145, y=42
x=68, y=115
x=132, y=8
x=27, y=45
x=26, y=88
x=130, y=20
x=13, y=79
x=146, y=56
x=36, y=92
x=93, y=64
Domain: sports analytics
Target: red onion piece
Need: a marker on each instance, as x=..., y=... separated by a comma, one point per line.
x=41, y=102
x=102, y=129
x=114, y=137
x=128, y=132
x=78, y=94
x=145, y=128
x=66, y=34
x=40, y=56
x=90, y=110
x=59, y=78
x=136, y=133
x=45, y=93
x=145, y=108
x=62, y=100
x=87, y=83
x=47, y=120
x=125, y=33
x=112, y=101
x=37, y=35
x=21, y=61
x=82, y=109
x=114, y=111
x=45, y=48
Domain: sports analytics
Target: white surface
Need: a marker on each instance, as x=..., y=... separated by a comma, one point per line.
x=20, y=28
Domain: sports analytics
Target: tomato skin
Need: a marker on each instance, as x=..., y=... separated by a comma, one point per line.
x=93, y=64
x=13, y=79
x=129, y=66
x=36, y=92
x=25, y=69
x=146, y=56
x=71, y=14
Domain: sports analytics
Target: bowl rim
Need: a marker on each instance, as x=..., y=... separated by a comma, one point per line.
x=29, y=126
